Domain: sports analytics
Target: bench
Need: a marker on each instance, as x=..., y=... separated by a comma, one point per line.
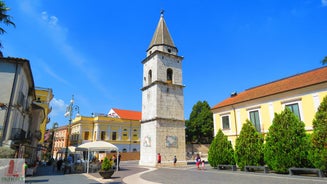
x=223, y=167
x=31, y=171
x=249, y=168
x=295, y=170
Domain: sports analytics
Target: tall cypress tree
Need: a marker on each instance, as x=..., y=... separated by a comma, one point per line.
x=286, y=143
x=318, y=153
x=249, y=146
x=221, y=151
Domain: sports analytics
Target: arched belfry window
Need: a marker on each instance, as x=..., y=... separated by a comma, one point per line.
x=150, y=77
x=169, y=75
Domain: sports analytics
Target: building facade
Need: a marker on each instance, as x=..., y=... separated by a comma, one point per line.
x=20, y=115
x=163, y=124
x=60, y=136
x=119, y=127
x=302, y=93
x=43, y=99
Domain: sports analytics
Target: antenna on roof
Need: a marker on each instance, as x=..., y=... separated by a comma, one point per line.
x=234, y=93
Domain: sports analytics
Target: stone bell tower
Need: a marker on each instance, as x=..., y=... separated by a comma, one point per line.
x=163, y=124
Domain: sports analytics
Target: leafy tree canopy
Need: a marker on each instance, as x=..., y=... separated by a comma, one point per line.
x=221, y=151
x=199, y=128
x=286, y=143
x=4, y=17
x=318, y=154
x=324, y=61
x=249, y=146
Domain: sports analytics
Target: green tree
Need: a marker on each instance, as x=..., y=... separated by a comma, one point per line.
x=199, y=128
x=249, y=146
x=318, y=153
x=6, y=152
x=106, y=164
x=324, y=61
x=4, y=17
x=221, y=151
x=286, y=143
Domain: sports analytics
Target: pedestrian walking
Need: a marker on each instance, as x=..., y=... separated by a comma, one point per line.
x=197, y=161
x=202, y=165
x=159, y=158
x=175, y=160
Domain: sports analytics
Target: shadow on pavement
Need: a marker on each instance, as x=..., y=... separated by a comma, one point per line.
x=36, y=181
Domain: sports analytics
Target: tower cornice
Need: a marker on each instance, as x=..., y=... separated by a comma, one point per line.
x=163, y=53
x=162, y=82
x=163, y=119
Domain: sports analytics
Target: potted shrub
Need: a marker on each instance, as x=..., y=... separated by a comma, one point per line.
x=106, y=169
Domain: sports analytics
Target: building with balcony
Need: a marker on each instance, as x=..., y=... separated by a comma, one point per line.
x=43, y=98
x=59, y=142
x=302, y=93
x=20, y=115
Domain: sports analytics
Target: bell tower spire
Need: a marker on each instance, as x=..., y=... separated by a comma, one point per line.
x=161, y=39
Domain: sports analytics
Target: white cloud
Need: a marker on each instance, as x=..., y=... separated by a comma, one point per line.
x=58, y=111
x=52, y=20
x=59, y=37
x=324, y=2
x=58, y=107
x=44, y=16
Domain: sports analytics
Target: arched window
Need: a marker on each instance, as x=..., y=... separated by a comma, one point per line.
x=169, y=75
x=150, y=77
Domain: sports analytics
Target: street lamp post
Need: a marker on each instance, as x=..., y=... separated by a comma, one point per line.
x=54, y=126
x=69, y=113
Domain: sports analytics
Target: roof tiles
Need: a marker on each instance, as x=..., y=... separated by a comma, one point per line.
x=301, y=80
x=128, y=114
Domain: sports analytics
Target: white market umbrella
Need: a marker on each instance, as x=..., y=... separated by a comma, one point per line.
x=97, y=146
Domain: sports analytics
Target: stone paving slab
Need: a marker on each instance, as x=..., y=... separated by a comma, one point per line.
x=214, y=176
x=132, y=173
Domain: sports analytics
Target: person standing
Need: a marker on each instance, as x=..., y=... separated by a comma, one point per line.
x=59, y=164
x=159, y=158
x=197, y=161
x=115, y=160
x=118, y=161
x=25, y=168
x=202, y=166
x=175, y=160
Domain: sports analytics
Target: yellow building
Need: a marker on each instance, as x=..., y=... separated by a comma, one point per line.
x=302, y=93
x=43, y=98
x=119, y=127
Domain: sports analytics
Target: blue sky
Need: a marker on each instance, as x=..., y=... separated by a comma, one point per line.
x=94, y=49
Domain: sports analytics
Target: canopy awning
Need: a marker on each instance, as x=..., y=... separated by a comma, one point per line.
x=96, y=146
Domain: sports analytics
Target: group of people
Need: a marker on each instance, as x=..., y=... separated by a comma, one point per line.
x=159, y=159
x=198, y=161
